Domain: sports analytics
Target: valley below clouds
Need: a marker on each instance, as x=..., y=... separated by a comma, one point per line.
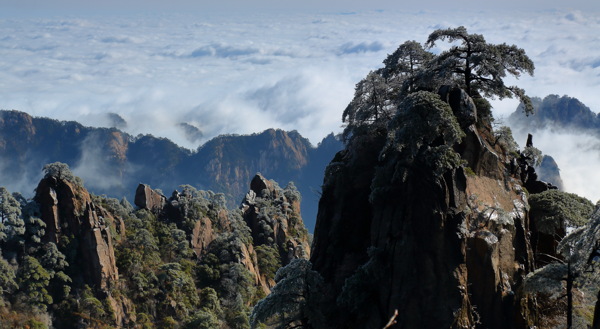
x=190, y=77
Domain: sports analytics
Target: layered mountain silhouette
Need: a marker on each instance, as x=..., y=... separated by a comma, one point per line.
x=554, y=111
x=113, y=162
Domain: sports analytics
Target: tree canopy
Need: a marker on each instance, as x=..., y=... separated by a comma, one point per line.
x=470, y=63
x=554, y=209
x=480, y=67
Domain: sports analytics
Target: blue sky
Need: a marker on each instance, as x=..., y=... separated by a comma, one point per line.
x=242, y=67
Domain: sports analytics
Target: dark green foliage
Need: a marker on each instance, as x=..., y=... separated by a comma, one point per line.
x=52, y=259
x=296, y=299
x=291, y=193
x=269, y=260
x=91, y=307
x=554, y=210
x=10, y=208
x=504, y=137
x=209, y=269
x=424, y=132
x=179, y=246
x=33, y=281
x=533, y=156
x=370, y=106
x=178, y=291
x=8, y=282
x=406, y=60
x=480, y=67
x=471, y=64
x=202, y=320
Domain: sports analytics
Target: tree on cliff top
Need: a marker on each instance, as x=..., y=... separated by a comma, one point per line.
x=479, y=67
x=61, y=170
x=471, y=64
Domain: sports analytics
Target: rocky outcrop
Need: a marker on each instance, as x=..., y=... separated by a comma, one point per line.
x=147, y=198
x=273, y=215
x=202, y=235
x=463, y=105
x=67, y=210
x=445, y=250
x=548, y=171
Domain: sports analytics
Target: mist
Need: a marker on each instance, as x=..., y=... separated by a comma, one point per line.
x=577, y=155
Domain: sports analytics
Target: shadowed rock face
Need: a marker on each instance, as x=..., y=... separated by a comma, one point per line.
x=68, y=210
x=445, y=250
x=548, y=171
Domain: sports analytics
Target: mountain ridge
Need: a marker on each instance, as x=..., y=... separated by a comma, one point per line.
x=113, y=162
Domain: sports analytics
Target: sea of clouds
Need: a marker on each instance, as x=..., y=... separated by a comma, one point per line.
x=190, y=77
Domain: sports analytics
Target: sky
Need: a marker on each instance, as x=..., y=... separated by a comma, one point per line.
x=191, y=70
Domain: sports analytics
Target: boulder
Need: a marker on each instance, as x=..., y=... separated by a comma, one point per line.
x=147, y=198
x=282, y=226
x=461, y=103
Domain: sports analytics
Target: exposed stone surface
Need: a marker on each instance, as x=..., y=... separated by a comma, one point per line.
x=68, y=210
x=273, y=215
x=445, y=251
x=147, y=198
x=202, y=235
x=225, y=163
x=548, y=171
x=463, y=106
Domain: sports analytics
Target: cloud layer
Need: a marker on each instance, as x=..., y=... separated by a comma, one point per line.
x=244, y=73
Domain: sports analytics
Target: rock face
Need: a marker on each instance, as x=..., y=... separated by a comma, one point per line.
x=67, y=210
x=445, y=250
x=557, y=112
x=202, y=235
x=273, y=215
x=147, y=198
x=548, y=171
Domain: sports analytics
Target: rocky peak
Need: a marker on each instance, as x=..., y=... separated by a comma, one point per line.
x=68, y=210
x=260, y=184
x=445, y=249
x=273, y=215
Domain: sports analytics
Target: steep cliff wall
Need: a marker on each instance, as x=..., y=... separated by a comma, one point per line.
x=68, y=211
x=444, y=242
x=70, y=214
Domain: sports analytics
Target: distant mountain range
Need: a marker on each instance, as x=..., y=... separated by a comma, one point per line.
x=559, y=115
x=113, y=162
x=557, y=112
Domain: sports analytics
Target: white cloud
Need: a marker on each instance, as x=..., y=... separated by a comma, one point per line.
x=577, y=156
x=243, y=73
